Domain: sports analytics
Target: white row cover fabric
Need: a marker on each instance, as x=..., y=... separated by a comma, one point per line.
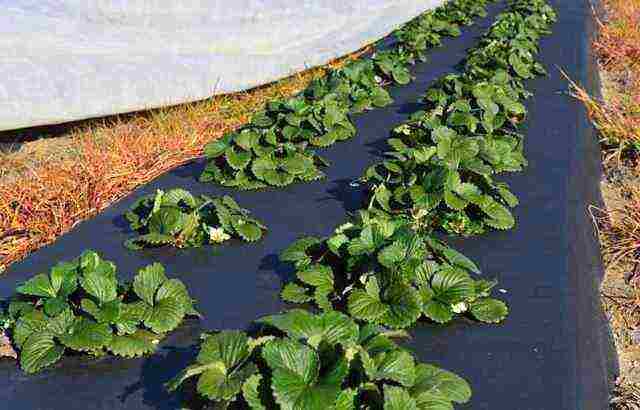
x=65, y=60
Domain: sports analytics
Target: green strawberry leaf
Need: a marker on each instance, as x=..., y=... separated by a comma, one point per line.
x=217, y=147
x=136, y=344
x=54, y=306
x=295, y=293
x=251, y=392
x=330, y=327
x=432, y=381
x=366, y=304
x=297, y=251
x=167, y=220
x=392, y=255
x=237, y=160
x=216, y=385
x=166, y=314
x=102, y=284
x=397, y=398
x=86, y=335
x=131, y=315
x=489, y=310
x=147, y=282
x=220, y=378
x=64, y=278
x=39, y=285
x=395, y=365
x=297, y=381
x=346, y=400
x=404, y=306
x=31, y=322
x=437, y=311
x=278, y=178
x=247, y=230
x=39, y=351
x=175, y=289
x=451, y=285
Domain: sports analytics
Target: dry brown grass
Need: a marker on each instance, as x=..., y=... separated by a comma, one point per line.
x=45, y=192
x=619, y=224
x=626, y=396
x=618, y=43
x=617, y=119
x=617, y=116
x=619, y=234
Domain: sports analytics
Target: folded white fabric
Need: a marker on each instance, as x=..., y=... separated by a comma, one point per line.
x=65, y=60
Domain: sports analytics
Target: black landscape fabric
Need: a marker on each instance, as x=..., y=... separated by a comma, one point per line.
x=552, y=352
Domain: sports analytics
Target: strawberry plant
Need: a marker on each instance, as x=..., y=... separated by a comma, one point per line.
x=272, y=149
x=388, y=271
x=178, y=218
x=513, y=43
x=451, y=174
x=275, y=148
x=318, y=361
x=356, y=85
x=81, y=306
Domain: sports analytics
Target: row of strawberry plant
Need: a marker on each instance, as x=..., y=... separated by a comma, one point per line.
x=274, y=148
x=443, y=160
x=386, y=268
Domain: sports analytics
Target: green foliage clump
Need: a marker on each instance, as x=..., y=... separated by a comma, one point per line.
x=315, y=362
x=388, y=271
x=178, y=218
x=443, y=161
x=275, y=148
x=81, y=306
x=272, y=149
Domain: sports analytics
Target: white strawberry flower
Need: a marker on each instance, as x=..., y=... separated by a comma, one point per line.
x=350, y=353
x=343, y=227
x=218, y=235
x=459, y=307
x=403, y=129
